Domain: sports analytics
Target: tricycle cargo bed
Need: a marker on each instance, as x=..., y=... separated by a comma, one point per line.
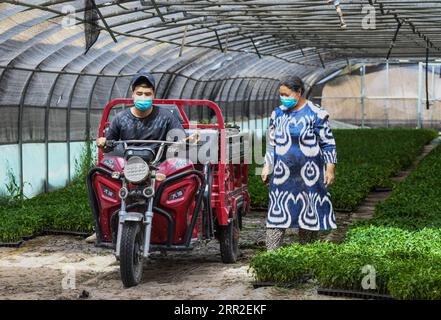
x=237, y=144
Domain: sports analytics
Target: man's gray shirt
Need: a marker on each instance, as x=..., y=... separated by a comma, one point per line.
x=156, y=126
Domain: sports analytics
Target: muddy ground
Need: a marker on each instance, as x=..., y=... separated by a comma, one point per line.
x=66, y=267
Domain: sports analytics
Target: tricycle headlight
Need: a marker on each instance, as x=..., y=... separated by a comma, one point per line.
x=136, y=170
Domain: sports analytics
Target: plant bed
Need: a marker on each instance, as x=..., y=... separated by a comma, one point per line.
x=260, y=209
x=382, y=189
x=67, y=233
x=343, y=210
x=11, y=244
x=258, y=284
x=415, y=203
x=407, y=264
x=30, y=237
x=43, y=233
x=65, y=209
x=353, y=294
x=255, y=246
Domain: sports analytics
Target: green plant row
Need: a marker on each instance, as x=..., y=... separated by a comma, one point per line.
x=367, y=158
x=384, y=260
x=66, y=209
x=416, y=202
x=402, y=243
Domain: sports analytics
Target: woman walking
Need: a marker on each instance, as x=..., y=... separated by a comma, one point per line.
x=301, y=155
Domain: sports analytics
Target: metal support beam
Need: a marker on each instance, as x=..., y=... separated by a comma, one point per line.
x=433, y=83
x=386, y=111
x=20, y=129
x=255, y=48
x=392, y=44
x=427, y=76
x=183, y=42
x=226, y=43
x=362, y=92
x=157, y=10
x=321, y=59
x=420, y=94
x=433, y=93
x=103, y=20
x=218, y=40
x=301, y=50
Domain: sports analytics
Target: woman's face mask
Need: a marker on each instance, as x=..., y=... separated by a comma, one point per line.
x=288, y=97
x=288, y=102
x=143, y=104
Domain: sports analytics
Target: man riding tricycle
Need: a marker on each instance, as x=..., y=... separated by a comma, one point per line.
x=162, y=183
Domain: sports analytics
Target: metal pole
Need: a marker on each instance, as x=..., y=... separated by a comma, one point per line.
x=183, y=42
x=20, y=130
x=420, y=93
x=427, y=76
x=103, y=20
x=433, y=94
x=255, y=48
x=362, y=96
x=433, y=81
x=218, y=40
x=386, y=111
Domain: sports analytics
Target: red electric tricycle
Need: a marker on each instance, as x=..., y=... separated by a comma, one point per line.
x=143, y=202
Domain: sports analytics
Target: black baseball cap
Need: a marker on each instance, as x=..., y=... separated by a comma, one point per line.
x=142, y=76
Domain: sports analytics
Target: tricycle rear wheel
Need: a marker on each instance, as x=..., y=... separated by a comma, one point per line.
x=131, y=258
x=229, y=240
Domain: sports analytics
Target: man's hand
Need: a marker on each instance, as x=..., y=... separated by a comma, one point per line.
x=266, y=171
x=100, y=142
x=329, y=174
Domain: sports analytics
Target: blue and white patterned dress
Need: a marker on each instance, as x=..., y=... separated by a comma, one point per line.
x=300, y=143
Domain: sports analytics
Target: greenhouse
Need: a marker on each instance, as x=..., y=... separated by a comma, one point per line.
x=315, y=127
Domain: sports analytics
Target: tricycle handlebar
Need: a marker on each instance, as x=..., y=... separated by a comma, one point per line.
x=111, y=143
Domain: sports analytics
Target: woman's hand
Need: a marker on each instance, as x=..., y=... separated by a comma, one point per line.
x=266, y=171
x=329, y=174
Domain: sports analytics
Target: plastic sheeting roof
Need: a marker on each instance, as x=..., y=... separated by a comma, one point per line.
x=226, y=51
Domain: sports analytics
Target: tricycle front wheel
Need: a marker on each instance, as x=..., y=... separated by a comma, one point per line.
x=131, y=258
x=229, y=240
